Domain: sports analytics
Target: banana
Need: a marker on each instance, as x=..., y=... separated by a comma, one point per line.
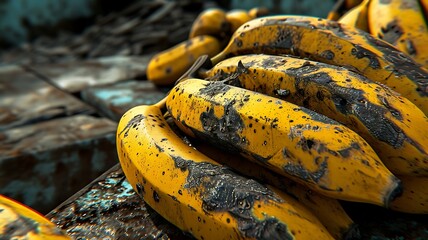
x=291, y=140
x=211, y=21
x=395, y=128
x=357, y=16
x=337, y=10
x=415, y=196
x=401, y=23
x=424, y=5
x=333, y=43
x=166, y=67
x=18, y=221
x=198, y=195
x=236, y=18
x=327, y=210
x=256, y=12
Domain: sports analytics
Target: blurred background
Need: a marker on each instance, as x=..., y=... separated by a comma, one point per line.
x=23, y=21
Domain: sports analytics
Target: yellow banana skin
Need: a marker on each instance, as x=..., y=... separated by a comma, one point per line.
x=291, y=140
x=20, y=222
x=327, y=210
x=395, y=128
x=333, y=43
x=236, y=18
x=197, y=194
x=167, y=66
x=357, y=16
x=401, y=23
x=415, y=196
x=211, y=21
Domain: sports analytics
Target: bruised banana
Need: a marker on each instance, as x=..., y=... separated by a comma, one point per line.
x=395, y=128
x=291, y=140
x=357, y=16
x=327, y=210
x=415, y=196
x=211, y=21
x=167, y=66
x=197, y=194
x=18, y=221
x=401, y=23
x=333, y=43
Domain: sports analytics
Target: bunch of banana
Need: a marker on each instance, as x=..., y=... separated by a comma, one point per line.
x=18, y=221
x=294, y=141
x=384, y=119
x=197, y=194
x=333, y=43
x=209, y=32
x=401, y=23
x=291, y=115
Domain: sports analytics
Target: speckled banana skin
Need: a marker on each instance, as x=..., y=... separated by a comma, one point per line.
x=327, y=210
x=395, y=128
x=200, y=196
x=402, y=24
x=291, y=140
x=333, y=43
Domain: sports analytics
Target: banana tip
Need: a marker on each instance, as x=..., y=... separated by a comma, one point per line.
x=396, y=191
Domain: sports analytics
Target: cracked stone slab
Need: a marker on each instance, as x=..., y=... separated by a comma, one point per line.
x=115, y=99
x=26, y=99
x=108, y=208
x=43, y=164
x=75, y=76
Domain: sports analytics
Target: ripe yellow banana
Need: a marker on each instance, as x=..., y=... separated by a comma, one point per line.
x=395, y=128
x=167, y=66
x=200, y=196
x=415, y=196
x=236, y=18
x=18, y=221
x=333, y=43
x=211, y=21
x=401, y=23
x=327, y=210
x=256, y=12
x=341, y=7
x=357, y=16
x=291, y=140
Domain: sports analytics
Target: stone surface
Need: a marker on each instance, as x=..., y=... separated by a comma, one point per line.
x=108, y=208
x=26, y=99
x=77, y=75
x=43, y=164
x=115, y=99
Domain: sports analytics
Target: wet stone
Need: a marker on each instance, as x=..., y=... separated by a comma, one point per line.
x=76, y=76
x=43, y=164
x=108, y=208
x=115, y=99
x=27, y=99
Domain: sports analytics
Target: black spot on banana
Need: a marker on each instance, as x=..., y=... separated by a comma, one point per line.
x=291, y=140
x=395, y=128
x=333, y=43
x=200, y=196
